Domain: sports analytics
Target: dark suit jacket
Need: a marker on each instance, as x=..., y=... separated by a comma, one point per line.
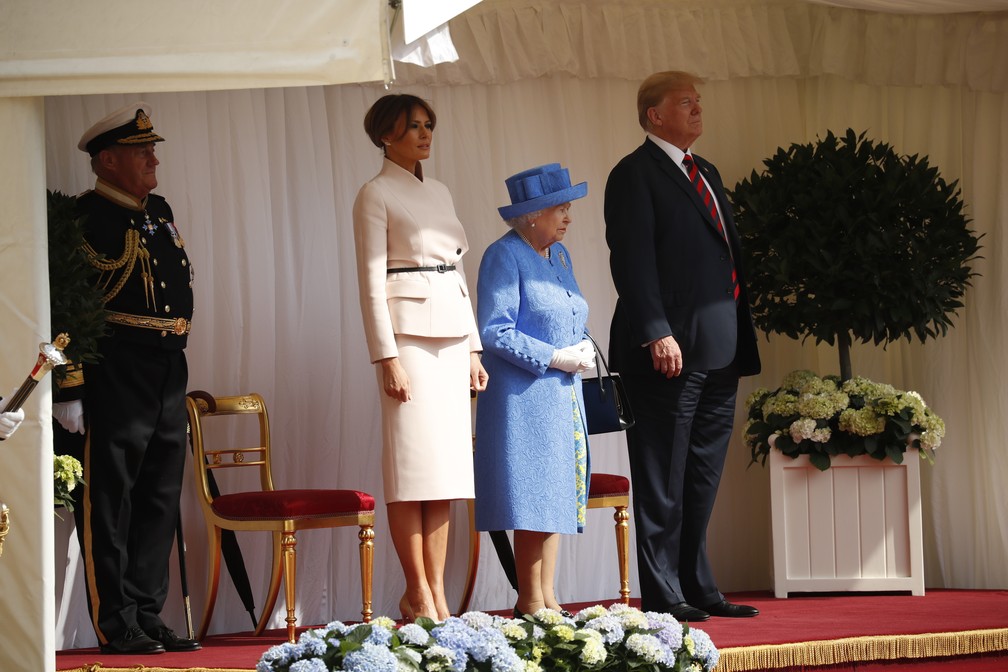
x=672, y=268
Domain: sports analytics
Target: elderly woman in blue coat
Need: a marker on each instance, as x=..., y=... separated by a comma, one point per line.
x=531, y=460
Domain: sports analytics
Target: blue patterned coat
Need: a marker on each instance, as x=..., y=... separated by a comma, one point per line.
x=525, y=463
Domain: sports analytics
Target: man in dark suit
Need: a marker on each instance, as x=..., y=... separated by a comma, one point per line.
x=682, y=334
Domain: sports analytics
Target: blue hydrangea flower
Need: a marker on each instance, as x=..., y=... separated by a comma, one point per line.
x=370, y=658
x=485, y=644
x=506, y=660
x=312, y=646
x=454, y=634
x=704, y=649
x=611, y=628
x=309, y=665
x=379, y=635
x=337, y=627
x=667, y=629
x=276, y=656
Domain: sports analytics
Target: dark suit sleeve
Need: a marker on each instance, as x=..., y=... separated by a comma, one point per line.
x=630, y=234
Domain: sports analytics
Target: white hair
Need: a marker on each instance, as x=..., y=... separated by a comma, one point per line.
x=521, y=221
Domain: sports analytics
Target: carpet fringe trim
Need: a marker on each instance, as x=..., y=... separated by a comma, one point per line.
x=99, y=667
x=862, y=649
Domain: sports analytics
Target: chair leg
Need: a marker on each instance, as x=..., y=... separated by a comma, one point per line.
x=274, y=585
x=366, y=536
x=213, y=578
x=623, y=551
x=289, y=544
x=474, y=550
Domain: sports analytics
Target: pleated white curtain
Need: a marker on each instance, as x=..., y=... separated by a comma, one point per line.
x=262, y=183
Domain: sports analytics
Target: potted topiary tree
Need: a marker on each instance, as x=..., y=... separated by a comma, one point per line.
x=845, y=239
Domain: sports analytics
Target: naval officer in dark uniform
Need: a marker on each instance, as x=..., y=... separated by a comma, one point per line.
x=130, y=405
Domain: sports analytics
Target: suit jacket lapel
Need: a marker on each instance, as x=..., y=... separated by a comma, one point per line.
x=680, y=179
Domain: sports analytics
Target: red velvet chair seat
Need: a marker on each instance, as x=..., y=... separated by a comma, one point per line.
x=292, y=504
x=608, y=485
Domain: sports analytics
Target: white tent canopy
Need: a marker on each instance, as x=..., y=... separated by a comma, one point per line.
x=265, y=152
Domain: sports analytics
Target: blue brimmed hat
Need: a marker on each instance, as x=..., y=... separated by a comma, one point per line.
x=540, y=188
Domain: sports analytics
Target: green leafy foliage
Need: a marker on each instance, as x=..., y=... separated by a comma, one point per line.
x=846, y=237
x=75, y=302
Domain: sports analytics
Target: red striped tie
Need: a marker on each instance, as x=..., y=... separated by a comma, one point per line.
x=708, y=199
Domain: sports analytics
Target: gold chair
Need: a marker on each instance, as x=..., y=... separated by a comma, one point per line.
x=281, y=512
x=605, y=490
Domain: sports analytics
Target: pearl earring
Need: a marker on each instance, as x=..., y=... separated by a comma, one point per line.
x=532, y=226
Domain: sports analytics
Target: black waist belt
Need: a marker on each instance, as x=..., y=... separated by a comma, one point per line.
x=440, y=268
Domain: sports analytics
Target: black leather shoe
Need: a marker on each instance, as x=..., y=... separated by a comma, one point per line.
x=172, y=642
x=684, y=612
x=133, y=641
x=728, y=610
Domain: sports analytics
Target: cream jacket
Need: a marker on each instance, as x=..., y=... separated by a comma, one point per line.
x=401, y=221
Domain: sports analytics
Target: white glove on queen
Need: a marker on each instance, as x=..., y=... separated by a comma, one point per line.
x=576, y=358
x=70, y=415
x=9, y=422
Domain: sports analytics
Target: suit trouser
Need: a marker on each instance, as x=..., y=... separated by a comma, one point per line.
x=134, y=457
x=677, y=451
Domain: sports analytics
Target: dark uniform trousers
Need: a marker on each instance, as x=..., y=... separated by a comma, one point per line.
x=134, y=458
x=134, y=408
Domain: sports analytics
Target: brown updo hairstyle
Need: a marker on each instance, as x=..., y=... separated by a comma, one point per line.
x=384, y=115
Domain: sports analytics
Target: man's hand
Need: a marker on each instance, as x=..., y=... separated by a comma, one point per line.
x=666, y=357
x=70, y=415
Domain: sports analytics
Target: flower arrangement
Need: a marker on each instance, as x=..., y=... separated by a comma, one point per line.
x=596, y=639
x=67, y=474
x=822, y=417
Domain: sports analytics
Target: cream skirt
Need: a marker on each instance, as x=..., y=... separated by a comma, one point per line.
x=427, y=452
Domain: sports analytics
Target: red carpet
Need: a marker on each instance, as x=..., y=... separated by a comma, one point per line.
x=944, y=631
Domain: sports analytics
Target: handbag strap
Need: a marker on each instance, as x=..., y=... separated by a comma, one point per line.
x=598, y=357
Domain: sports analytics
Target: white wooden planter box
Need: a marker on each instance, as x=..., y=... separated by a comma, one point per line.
x=854, y=527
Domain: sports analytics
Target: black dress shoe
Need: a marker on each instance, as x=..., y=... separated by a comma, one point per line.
x=728, y=610
x=133, y=641
x=172, y=642
x=684, y=612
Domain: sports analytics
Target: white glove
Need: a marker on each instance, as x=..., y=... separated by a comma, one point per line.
x=70, y=415
x=574, y=358
x=9, y=422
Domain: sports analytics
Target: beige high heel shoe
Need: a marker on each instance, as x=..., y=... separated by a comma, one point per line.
x=406, y=610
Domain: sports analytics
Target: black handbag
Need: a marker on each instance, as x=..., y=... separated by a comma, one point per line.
x=607, y=408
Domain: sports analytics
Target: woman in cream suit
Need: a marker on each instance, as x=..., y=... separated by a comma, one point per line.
x=421, y=334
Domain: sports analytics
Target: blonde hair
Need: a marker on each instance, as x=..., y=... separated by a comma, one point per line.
x=653, y=89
